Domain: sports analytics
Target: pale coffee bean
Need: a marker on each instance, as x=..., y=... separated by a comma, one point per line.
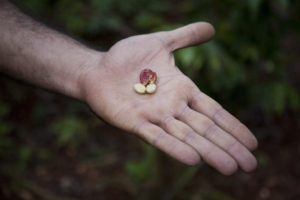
x=140, y=88
x=151, y=88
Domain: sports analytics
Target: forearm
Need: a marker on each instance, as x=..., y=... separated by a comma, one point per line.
x=43, y=57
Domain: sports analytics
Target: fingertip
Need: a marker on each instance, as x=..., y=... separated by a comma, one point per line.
x=229, y=169
x=222, y=162
x=209, y=29
x=187, y=156
x=193, y=160
x=246, y=137
x=251, y=143
x=251, y=166
x=254, y=144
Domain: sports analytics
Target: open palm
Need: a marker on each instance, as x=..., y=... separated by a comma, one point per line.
x=178, y=118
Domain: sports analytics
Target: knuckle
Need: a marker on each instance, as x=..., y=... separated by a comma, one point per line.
x=233, y=146
x=210, y=131
x=167, y=120
x=189, y=136
x=158, y=138
x=219, y=113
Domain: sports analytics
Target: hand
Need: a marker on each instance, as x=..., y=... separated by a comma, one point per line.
x=178, y=118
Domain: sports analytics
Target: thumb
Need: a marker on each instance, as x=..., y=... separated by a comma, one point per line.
x=190, y=35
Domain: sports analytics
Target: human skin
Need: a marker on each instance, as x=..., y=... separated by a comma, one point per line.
x=178, y=118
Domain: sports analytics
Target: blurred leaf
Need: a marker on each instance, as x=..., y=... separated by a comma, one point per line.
x=146, y=20
x=181, y=181
x=45, y=154
x=278, y=96
x=144, y=169
x=36, y=7
x=187, y=56
x=138, y=171
x=70, y=131
x=262, y=160
x=24, y=156
x=249, y=52
x=24, y=153
x=5, y=128
x=292, y=98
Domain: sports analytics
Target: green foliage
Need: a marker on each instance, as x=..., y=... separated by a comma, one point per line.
x=245, y=64
x=274, y=96
x=149, y=178
x=140, y=171
x=70, y=130
x=45, y=154
x=24, y=155
x=244, y=67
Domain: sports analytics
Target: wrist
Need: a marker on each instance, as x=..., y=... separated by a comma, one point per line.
x=91, y=64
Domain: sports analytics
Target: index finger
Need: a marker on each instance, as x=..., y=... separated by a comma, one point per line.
x=202, y=103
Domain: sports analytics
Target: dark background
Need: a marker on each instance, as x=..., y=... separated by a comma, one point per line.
x=52, y=147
